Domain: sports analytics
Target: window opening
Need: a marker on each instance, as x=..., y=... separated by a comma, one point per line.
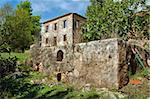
x=46, y=41
x=46, y=29
x=55, y=41
x=60, y=55
x=65, y=23
x=55, y=26
x=65, y=37
x=77, y=23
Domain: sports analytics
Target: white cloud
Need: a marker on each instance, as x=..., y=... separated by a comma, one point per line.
x=42, y=7
x=46, y=5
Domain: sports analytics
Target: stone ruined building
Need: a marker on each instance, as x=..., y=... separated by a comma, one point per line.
x=101, y=63
x=62, y=31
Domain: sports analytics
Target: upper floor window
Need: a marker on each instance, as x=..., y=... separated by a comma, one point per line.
x=46, y=41
x=47, y=28
x=55, y=41
x=76, y=24
x=65, y=23
x=55, y=26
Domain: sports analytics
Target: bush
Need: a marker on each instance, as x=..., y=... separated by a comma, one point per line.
x=7, y=65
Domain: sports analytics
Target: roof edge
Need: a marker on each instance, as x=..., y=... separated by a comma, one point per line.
x=63, y=16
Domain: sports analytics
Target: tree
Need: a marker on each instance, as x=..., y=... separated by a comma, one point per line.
x=26, y=5
x=140, y=24
x=5, y=12
x=18, y=30
x=109, y=18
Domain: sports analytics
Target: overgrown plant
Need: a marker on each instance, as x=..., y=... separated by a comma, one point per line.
x=7, y=66
x=117, y=18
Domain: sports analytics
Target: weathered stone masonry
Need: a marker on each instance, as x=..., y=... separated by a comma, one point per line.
x=98, y=63
x=101, y=63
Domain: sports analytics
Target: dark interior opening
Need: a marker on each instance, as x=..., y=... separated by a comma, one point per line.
x=46, y=29
x=55, y=26
x=46, y=41
x=55, y=41
x=60, y=55
x=132, y=65
x=65, y=37
x=59, y=77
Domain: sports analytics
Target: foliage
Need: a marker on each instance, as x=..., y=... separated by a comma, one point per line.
x=18, y=27
x=109, y=18
x=26, y=5
x=7, y=66
x=5, y=11
x=21, y=57
x=20, y=30
x=141, y=73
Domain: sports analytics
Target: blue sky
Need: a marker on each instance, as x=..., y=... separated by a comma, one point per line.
x=48, y=9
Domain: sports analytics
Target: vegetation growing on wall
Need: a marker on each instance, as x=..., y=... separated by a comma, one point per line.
x=117, y=18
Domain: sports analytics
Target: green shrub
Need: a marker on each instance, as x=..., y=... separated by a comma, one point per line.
x=7, y=65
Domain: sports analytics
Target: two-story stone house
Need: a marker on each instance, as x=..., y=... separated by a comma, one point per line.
x=62, y=30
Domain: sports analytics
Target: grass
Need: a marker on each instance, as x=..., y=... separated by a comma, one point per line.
x=21, y=56
x=139, y=91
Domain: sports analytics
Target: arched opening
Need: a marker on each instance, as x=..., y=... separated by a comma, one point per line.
x=60, y=55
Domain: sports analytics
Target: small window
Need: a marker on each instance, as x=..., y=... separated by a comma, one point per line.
x=65, y=23
x=60, y=55
x=65, y=37
x=77, y=23
x=55, y=26
x=46, y=41
x=55, y=41
x=46, y=29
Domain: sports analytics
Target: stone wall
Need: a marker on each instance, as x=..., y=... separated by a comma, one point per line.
x=99, y=63
x=94, y=62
